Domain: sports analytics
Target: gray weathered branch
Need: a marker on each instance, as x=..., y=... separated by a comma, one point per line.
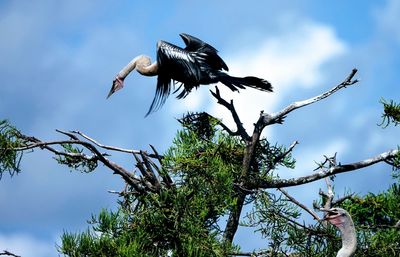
x=267, y=119
x=341, y=168
x=112, y=148
x=149, y=181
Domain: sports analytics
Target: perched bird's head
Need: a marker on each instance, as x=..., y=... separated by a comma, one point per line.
x=118, y=83
x=337, y=216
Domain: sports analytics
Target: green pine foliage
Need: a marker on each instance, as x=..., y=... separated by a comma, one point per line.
x=76, y=162
x=391, y=113
x=9, y=140
x=375, y=217
x=184, y=218
x=177, y=221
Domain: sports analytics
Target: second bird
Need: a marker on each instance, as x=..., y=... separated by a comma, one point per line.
x=196, y=64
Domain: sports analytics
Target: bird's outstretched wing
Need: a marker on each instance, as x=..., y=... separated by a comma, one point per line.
x=177, y=64
x=203, y=52
x=162, y=92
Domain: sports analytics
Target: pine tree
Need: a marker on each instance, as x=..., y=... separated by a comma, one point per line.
x=176, y=203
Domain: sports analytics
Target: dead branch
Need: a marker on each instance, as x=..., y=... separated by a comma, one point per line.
x=7, y=253
x=266, y=119
x=113, y=148
x=240, y=129
x=342, y=199
x=341, y=168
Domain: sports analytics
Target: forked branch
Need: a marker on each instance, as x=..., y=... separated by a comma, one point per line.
x=90, y=153
x=240, y=129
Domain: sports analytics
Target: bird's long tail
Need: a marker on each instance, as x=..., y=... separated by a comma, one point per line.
x=234, y=83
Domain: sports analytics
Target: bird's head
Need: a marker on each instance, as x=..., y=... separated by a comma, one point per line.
x=336, y=216
x=118, y=83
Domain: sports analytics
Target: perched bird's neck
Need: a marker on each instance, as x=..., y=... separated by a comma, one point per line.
x=349, y=240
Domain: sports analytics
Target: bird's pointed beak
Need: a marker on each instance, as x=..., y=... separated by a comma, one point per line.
x=117, y=85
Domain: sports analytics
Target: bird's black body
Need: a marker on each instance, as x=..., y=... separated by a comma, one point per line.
x=196, y=64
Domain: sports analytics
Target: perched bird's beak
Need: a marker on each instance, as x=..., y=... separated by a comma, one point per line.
x=117, y=85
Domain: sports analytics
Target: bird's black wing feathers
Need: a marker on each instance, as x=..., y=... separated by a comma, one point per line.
x=194, y=44
x=204, y=52
x=177, y=64
x=162, y=92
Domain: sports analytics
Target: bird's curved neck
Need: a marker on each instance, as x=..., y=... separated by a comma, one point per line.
x=349, y=240
x=142, y=64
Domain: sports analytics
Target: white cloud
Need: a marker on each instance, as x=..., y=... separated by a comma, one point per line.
x=290, y=60
x=27, y=246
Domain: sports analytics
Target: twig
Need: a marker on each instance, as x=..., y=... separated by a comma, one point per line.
x=293, y=200
x=113, y=148
x=157, y=156
x=342, y=199
x=5, y=252
x=227, y=129
x=330, y=195
x=289, y=150
x=46, y=145
x=72, y=136
x=240, y=129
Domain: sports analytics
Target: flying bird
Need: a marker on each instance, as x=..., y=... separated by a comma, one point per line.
x=342, y=220
x=196, y=64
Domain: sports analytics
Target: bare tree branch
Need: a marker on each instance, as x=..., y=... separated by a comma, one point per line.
x=240, y=129
x=228, y=130
x=266, y=119
x=341, y=168
x=148, y=173
x=33, y=142
x=5, y=252
x=113, y=148
x=329, y=194
x=72, y=136
x=342, y=199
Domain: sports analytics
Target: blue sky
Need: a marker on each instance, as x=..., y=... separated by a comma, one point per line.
x=58, y=59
